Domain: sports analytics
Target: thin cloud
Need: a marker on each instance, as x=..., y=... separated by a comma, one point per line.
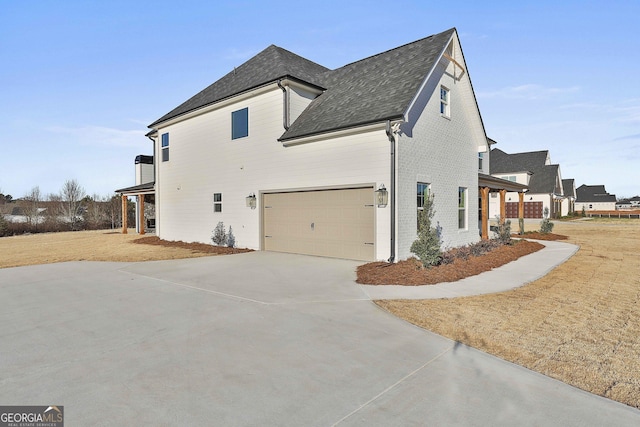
x=528, y=92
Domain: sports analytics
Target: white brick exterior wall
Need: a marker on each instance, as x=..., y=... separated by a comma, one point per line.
x=444, y=153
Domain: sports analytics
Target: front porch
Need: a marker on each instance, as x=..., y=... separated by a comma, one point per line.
x=143, y=192
x=489, y=184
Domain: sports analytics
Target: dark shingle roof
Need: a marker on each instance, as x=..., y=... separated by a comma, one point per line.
x=268, y=66
x=544, y=177
x=371, y=90
x=501, y=162
x=569, y=187
x=593, y=193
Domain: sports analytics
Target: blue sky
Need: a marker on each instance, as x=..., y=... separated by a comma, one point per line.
x=81, y=80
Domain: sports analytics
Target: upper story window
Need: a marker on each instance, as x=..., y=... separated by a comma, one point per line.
x=480, y=158
x=165, y=147
x=445, y=109
x=240, y=123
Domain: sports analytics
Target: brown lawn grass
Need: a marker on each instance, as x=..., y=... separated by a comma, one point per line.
x=100, y=245
x=579, y=324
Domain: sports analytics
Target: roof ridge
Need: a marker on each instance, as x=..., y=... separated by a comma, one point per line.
x=396, y=48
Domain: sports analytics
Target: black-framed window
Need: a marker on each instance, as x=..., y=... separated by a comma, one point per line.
x=217, y=202
x=240, y=123
x=165, y=147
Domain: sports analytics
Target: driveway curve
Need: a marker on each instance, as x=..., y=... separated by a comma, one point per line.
x=252, y=339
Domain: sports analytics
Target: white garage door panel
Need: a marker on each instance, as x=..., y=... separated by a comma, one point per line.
x=333, y=223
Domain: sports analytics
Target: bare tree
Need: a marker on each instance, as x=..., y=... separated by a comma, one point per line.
x=71, y=197
x=31, y=207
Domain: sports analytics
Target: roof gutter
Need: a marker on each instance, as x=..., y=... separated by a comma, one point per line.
x=285, y=105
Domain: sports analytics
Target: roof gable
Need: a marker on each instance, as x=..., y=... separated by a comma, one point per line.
x=371, y=90
x=544, y=178
x=268, y=66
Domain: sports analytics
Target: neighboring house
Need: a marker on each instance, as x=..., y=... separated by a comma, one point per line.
x=594, y=198
x=535, y=170
x=299, y=158
x=20, y=215
x=568, y=203
x=623, y=205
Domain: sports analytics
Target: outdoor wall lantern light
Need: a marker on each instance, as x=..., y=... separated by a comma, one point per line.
x=251, y=201
x=382, y=196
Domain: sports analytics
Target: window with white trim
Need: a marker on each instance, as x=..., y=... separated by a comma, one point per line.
x=445, y=108
x=217, y=202
x=165, y=147
x=423, y=191
x=462, y=208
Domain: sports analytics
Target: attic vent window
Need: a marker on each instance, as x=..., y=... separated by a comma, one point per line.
x=444, y=102
x=240, y=123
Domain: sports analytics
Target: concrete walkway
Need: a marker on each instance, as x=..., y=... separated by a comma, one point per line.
x=515, y=274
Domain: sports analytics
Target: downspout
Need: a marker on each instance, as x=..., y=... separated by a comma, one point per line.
x=285, y=106
x=392, y=191
x=156, y=172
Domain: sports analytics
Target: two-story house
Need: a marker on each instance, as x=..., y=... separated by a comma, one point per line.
x=535, y=170
x=299, y=158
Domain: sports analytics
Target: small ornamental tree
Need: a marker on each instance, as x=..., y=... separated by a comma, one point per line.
x=219, y=237
x=427, y=246
x=546, y=226
x=231, y=239
x=504, y=231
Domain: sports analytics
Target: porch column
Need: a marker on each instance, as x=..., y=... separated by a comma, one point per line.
x=124, y=214
x=503, y=207
x=484, y=196
x=141, y=213
x=521, y=211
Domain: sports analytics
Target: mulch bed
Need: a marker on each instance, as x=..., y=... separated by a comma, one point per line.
x=536, y=235
x=411, y=272
x=195, y=247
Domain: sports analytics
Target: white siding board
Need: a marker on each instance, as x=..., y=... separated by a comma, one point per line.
x=205, y=160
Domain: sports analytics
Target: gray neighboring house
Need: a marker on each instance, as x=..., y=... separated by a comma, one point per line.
x=594, y=198
x=535, y=170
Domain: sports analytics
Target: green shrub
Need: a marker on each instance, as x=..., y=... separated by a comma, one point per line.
x=427, y=246
x=4, y=227
x=546, y=226
x=220, y=237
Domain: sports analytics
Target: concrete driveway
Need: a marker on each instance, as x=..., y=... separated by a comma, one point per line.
x=252, y=339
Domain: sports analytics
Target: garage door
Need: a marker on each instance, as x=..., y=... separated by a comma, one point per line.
x=332, y=223
x=531, y=209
